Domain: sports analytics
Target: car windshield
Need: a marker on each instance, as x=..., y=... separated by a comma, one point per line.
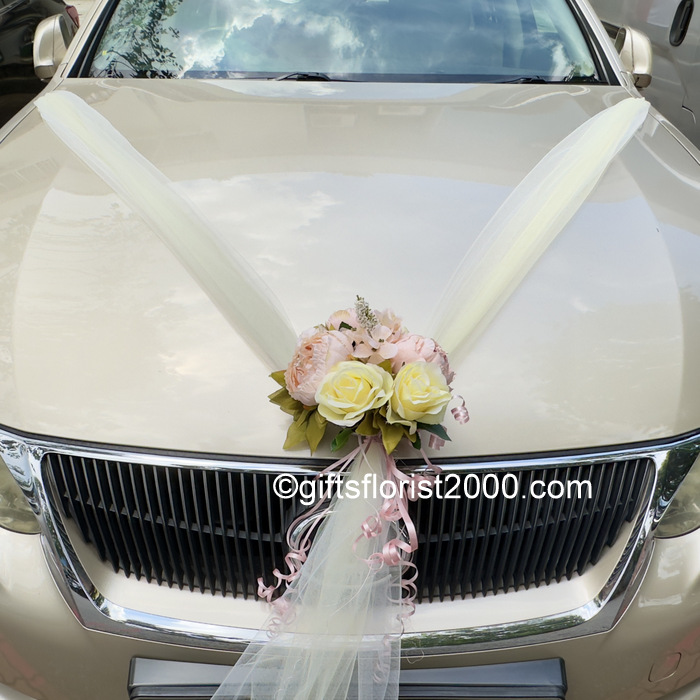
x=372, y=40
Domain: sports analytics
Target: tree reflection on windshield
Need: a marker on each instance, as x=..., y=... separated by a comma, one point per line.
x=433, y=40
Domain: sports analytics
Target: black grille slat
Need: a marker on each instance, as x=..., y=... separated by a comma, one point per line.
x=230, y=576
x=249, y=542
x=552, y=565
x=506, y=545
x=127, y=557
x=540, y=534
x=194, y=553
x=480, y=573
x=472, y=534
x=536, y=523
x=219, y=530
x=524, y=508
x=149, y=562
x=594, y=510
x=214, y=530
x=243, y=584
x=550, y=535
x=185, y=561
x=119, y=561
x=424, y=550
x=491, y=582
x=437, y=578
x=176, y=577
x=600, y=527
x=164, y=569
x=258, y=566
x=84, y=501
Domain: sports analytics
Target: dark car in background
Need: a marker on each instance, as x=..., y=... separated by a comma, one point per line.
x=18, y=20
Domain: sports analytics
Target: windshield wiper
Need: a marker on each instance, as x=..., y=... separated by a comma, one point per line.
x=302, y=76
x=573, y=78
x=527, y=79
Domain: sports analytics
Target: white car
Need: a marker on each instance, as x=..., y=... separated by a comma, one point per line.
x=336, y=148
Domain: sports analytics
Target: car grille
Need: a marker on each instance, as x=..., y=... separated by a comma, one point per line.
x=218, y=530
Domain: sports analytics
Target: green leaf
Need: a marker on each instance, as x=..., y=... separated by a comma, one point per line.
x=279, y=377
x=279, y=395
x=438, y=430
x=296, y=433
x=341, y=438
x=391, y=435
x=344, y=326
x=315, y=429
x=367, y=426
x=386, y=365
x=289, y=405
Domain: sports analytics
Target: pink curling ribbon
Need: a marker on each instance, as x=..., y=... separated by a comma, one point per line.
x=394, y=509
x=299, y=551
x=397, y=552
x=460, y=413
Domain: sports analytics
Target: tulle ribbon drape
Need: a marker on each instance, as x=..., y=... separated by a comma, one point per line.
x=335, y=633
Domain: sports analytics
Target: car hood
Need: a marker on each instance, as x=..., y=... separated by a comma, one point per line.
x=331, y=190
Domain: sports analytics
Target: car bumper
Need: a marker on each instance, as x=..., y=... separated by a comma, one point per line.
x=653, y=651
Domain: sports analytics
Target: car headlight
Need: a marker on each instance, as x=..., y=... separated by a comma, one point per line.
x=15, y=513
x=683, y=513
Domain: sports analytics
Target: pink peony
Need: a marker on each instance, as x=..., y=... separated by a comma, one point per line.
x=414, y=348
x=317, y=352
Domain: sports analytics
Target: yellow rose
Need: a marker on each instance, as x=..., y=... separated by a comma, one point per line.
x=420, y=395
x=351, y=389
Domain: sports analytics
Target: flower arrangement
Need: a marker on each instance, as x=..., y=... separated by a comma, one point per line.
x=365, y=373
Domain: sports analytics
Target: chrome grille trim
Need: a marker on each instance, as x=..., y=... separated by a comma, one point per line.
x=671, y=458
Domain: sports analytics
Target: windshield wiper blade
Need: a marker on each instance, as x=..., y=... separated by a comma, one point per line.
x=589, y=79
x=571, y=78
x=302, y=76
x=527, y=79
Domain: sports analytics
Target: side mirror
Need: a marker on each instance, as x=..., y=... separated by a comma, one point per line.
x=635, y=51
x=51, y=40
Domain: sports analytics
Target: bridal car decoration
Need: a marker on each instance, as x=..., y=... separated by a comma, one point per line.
x=336, y=631
x=365, y=373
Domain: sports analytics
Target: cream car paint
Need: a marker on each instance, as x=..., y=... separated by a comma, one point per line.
x=93, y=296
x=98, y=322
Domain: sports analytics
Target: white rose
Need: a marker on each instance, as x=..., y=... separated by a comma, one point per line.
x=351, y=389
x=420, y=395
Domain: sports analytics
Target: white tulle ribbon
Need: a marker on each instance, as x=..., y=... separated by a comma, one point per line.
x=306, y=661
x=335, y=633
x=528, y=221
x=230, y=282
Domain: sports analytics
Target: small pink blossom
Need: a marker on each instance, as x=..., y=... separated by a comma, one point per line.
x=388, y=319
x=317, y=352
x=379, y=344
x=414, y=348
x=346, y=316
